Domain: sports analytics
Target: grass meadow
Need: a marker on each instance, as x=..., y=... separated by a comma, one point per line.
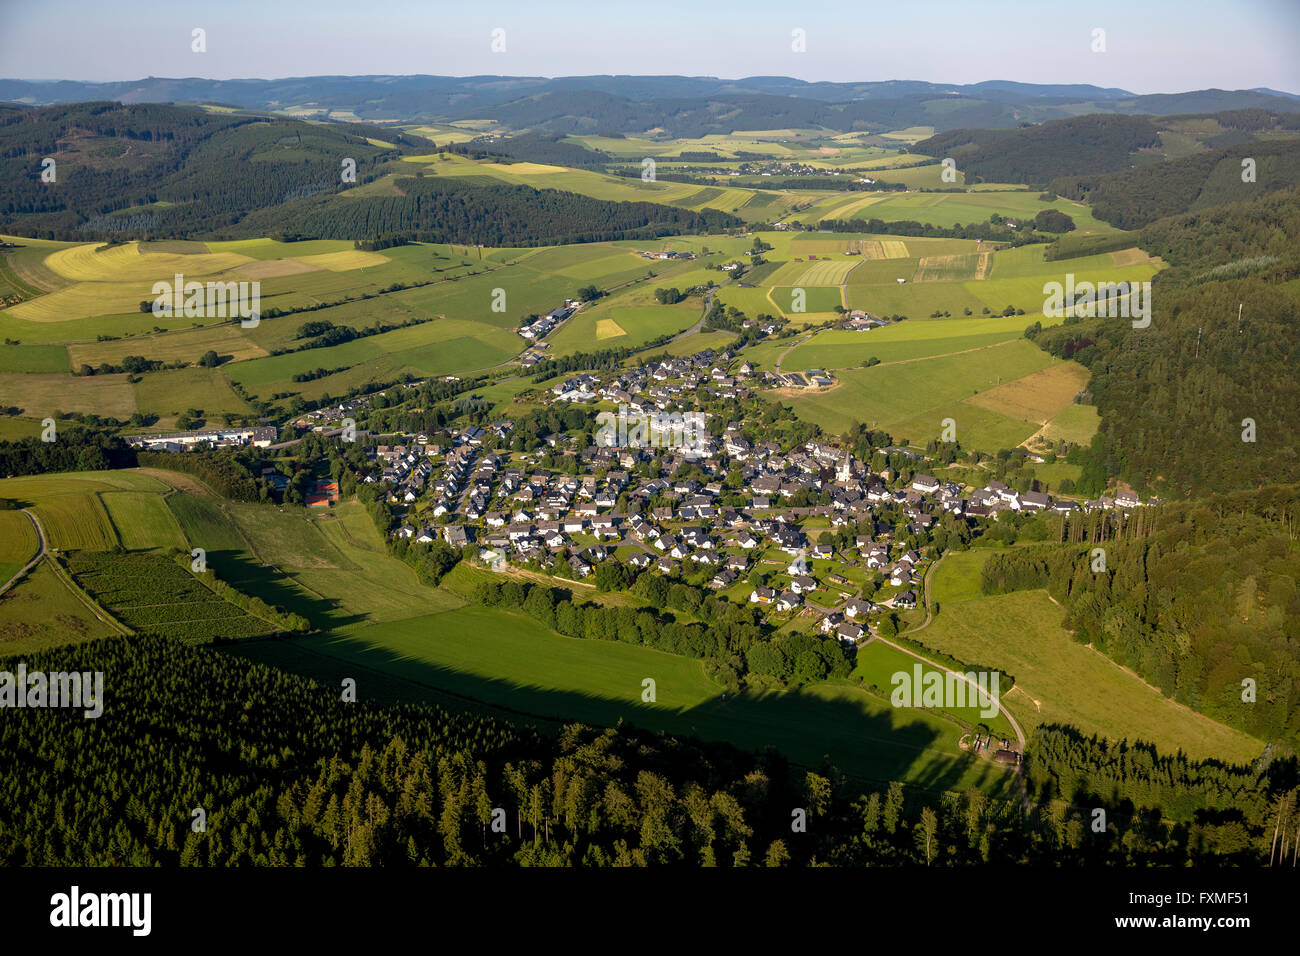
x=1058, y=679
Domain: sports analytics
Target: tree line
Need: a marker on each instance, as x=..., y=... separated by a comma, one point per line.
x=288, y=774
x=1199, y=598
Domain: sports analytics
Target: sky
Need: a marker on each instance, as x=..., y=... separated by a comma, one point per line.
x=1151, y=46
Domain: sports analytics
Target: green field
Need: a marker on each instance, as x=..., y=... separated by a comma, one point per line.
x=33, y=358
x=839, y=349
x=41, y=611
x=142, y=520
x=877, y=664
x=951, y=208
x=910, y=399
x=514, y=663
x=1074, y=423
x=72, y=508
x=623, y=324
x=1058, y=679
x=76, y=521
x=18, y=543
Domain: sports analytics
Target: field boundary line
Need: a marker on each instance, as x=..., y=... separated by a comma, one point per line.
x=117, y=532
x=94, y=606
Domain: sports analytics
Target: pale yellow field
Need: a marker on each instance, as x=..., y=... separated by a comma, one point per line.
x=274, y=268
x=819, y=247
x=947, y=268
x=126, y=263
x=85, y=300
x=265, y=248
x=828, y=271
x=852, y=206
x=893, y=248
x=525, y=169
x=1134, y=257
x=913, y=134
x=346, y=261
x=608, y=329
x=440, y=135
x=1037, y=396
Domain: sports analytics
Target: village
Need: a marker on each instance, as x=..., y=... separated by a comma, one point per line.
x=812, y=536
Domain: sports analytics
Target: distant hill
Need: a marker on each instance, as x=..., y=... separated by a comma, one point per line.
x=1083, y=144
x=1099, y=143
x=167, y=171
x=679, y=105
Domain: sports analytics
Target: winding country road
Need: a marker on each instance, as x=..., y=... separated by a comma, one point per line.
x=40, y=552
x=780, y=358
x=929, y=616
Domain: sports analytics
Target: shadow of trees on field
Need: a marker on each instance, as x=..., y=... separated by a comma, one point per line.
x=871, y=748
x=240, y=570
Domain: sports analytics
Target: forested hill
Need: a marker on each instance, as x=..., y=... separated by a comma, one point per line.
x=288, y=774
x=1201, y=401
x=1037, y=154
x=445, y=210
x=167, y=170
x=534, y=148
x=1136, y=197
x=1072, y=153
x=1197, y=598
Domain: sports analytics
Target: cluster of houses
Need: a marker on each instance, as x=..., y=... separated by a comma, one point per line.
x=328, y=416
x=997, y=496
x=663, y=386
x=637, y=505
x=543, y=326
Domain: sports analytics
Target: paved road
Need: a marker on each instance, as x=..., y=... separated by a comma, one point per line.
x=780, y=358
x=698, y=326
x=40, y=552
x=929, y=616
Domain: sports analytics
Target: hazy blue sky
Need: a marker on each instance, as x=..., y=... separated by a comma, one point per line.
x=1152, y=46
